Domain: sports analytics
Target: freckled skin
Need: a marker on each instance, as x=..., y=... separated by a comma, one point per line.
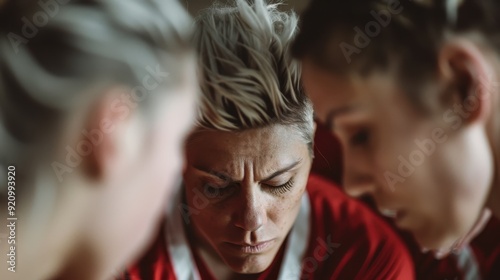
x=251, y=208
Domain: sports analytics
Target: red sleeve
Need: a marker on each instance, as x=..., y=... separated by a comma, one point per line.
x=356, y=243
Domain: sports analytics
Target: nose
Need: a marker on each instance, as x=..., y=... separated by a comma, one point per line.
x=358, y=179
x=251, y=214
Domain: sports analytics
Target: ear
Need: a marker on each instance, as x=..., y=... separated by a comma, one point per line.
x=106, y=121
x=467, y=76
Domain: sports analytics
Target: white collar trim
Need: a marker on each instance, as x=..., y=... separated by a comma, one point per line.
x=183, y=260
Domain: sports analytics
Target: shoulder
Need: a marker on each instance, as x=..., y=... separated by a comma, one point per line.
x=330, y=204
x=357, y=242
x=154, y=264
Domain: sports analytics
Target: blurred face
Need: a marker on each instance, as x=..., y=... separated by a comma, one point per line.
x=146, y=169
x=246, y=188
x=431, y=174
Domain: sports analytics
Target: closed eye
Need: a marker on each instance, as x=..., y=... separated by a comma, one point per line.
x=360, y=138
x=212, y=191
x=280, y=189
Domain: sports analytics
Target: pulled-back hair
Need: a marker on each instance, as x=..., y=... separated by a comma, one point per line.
x=57, y=56
x=248, y=77
x=359, y=36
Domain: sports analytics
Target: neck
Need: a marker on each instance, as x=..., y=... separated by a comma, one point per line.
x=494, y=129
x=63, y=254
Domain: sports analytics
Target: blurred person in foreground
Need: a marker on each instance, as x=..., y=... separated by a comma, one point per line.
x=249, y=208
x=411, y=88
x=94, y=104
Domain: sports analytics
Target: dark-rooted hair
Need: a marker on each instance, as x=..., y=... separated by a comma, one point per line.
x=360, y=36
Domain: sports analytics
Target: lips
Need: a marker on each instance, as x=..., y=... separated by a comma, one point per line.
x=389, y=213
x=254, y=248
x=396, y=215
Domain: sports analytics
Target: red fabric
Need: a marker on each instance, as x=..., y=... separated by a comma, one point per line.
x=347, y=241
x=368, y=249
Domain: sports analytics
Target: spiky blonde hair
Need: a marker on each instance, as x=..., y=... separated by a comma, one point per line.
x=249, y=78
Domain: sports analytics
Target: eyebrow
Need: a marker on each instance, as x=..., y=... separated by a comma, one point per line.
x=284, y=170
x=227, y=178
x=220, y=175
x=332, y=114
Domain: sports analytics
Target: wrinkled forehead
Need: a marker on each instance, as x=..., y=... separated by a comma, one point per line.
x=263, y=148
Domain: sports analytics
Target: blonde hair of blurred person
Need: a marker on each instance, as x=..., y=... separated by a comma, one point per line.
x=95, y=100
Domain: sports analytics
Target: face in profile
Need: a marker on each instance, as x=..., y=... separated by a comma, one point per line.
x=143, y=172
x=246, y=188
x=430, y=173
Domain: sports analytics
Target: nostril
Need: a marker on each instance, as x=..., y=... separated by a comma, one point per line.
x=250, y=218
x=250, y=223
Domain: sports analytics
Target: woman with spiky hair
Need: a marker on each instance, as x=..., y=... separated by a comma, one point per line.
x=95, y=100
x=248, y=208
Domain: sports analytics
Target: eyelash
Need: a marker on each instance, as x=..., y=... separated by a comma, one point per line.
x=220, y=192
x=281, y=189
x=215, y=192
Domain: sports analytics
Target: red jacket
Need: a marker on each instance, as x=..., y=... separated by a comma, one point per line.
x=345, y=240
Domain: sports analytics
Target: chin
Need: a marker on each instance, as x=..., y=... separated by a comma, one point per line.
x=435, y=240
x=249, y=265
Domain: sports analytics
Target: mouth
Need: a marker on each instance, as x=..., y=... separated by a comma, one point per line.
x=254, y=248
x=396, y=215
x=389, y=213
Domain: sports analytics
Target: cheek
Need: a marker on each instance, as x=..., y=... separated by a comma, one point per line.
x=164, y=169
x=461, y=180
x=285, y=208
x=206, y=222
x=167, y=146
x=391, y=146
x=396, y=151
x=208, y=218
